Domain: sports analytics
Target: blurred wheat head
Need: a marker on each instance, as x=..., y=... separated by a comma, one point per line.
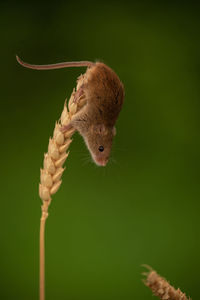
x=161, y=287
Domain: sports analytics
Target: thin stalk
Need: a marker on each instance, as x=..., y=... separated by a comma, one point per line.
x=42, y=252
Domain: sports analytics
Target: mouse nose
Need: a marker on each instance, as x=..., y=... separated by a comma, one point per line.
x=101, y=162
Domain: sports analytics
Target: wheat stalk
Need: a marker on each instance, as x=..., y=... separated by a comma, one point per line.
x=50, y=175
x=161, y=287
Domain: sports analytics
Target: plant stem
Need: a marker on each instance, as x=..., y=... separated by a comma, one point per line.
x=42, y=250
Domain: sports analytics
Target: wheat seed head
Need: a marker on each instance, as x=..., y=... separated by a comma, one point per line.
x=51, y=173
x=161, y=287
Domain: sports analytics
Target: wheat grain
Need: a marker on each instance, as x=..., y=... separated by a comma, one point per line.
x=161, y=287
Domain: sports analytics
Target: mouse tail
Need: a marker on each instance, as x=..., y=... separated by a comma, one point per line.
x=56, y=66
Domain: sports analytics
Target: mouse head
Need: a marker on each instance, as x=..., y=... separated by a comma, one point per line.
x=99, y=142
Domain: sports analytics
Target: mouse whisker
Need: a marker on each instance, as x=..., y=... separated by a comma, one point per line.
x=86, y=159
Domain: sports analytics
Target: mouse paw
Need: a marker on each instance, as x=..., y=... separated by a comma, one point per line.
x=65, y=128
x=78, y=95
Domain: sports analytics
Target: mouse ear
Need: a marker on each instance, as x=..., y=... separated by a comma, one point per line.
x=114, y=131
x=100, y=129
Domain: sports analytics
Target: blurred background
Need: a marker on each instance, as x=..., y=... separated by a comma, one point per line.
x=104, y=223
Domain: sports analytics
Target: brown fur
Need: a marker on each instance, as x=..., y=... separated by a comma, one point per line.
x=104, y=94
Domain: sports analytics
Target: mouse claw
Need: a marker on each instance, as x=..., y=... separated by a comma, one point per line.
x=78, y=95
x=65, y=128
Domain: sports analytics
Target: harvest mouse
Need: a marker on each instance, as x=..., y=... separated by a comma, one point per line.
x=104, y=94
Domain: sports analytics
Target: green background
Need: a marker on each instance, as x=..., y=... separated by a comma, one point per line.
x=144, y=206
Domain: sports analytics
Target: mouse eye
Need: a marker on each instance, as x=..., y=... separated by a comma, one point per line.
x=101, y=148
